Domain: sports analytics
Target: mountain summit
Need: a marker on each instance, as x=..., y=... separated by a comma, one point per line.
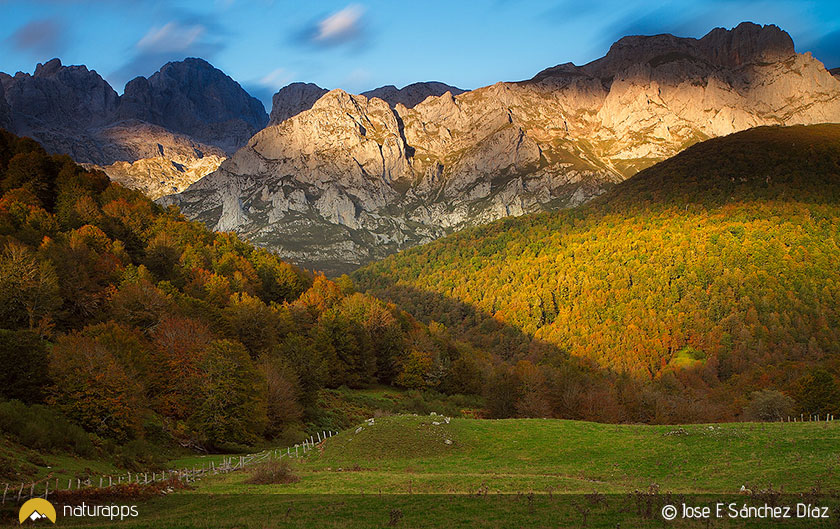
x=164, y=133
x=354, y=178
x=194, y=98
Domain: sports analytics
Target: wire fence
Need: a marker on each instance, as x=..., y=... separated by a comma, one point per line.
x=44, y=487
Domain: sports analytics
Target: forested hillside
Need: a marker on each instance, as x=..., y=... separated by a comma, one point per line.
x=135, y=324
x=695, y=283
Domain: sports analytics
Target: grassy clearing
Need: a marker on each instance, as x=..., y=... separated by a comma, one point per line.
x=520, y=473
x=409, y=454
x=19, y=464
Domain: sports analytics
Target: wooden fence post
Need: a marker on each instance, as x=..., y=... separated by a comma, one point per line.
x=4, y=493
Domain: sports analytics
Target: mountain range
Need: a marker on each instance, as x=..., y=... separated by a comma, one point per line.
x=333, y=180
x=355, y=178
x=162, y=134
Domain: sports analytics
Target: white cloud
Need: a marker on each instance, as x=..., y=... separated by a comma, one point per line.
x=340, y=26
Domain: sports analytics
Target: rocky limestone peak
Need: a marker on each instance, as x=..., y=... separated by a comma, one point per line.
x=58, y=95
x=193, y=97
x=747, y=43
x=411, y=95
x=293, y=99
x=723, y=48
x=49, y=68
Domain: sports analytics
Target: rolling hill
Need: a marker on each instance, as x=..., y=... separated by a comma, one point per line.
x=712, y=274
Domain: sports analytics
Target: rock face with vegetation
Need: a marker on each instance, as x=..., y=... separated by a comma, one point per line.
x=164, y=133
x=355, y=178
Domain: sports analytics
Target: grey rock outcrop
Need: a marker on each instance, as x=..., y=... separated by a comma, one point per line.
x=293, y=99
x=192, y=97
x=412, y=95
x=154, y=160
x=353, y=179
x=57, y=97
x=5, y=110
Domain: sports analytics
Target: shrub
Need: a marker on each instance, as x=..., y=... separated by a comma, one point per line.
x=273, y=472
x=137, y=455
x=41, y=428
x=768, y=405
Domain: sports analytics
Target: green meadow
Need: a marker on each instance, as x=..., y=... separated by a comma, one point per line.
x=427, y=471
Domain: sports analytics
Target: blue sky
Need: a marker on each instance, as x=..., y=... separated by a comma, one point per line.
x=359, y=45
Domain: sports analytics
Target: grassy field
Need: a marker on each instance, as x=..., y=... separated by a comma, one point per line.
x=20, y=464
x=411, y=472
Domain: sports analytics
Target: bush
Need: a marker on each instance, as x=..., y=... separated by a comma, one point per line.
x=41, y=428
x=768, y=405
x=138, y=455
x=273, y=472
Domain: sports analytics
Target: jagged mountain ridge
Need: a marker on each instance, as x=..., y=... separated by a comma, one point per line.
x=412, y=95
x=295, y=98
x=353, y=179
x=164, y=133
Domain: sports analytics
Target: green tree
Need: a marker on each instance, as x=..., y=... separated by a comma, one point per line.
x=94, y=389
x=25, y=373
x=28, y=288
x=768, y=405
x=232, y=411
x=817, y=392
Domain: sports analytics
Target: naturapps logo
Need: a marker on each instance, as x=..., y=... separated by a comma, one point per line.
x=37, y=509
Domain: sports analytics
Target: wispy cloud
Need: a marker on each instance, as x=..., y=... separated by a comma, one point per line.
x=344, y=27
x=172, y=41
x=171, y=37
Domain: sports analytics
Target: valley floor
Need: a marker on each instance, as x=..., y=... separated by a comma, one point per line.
x=431, y=471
